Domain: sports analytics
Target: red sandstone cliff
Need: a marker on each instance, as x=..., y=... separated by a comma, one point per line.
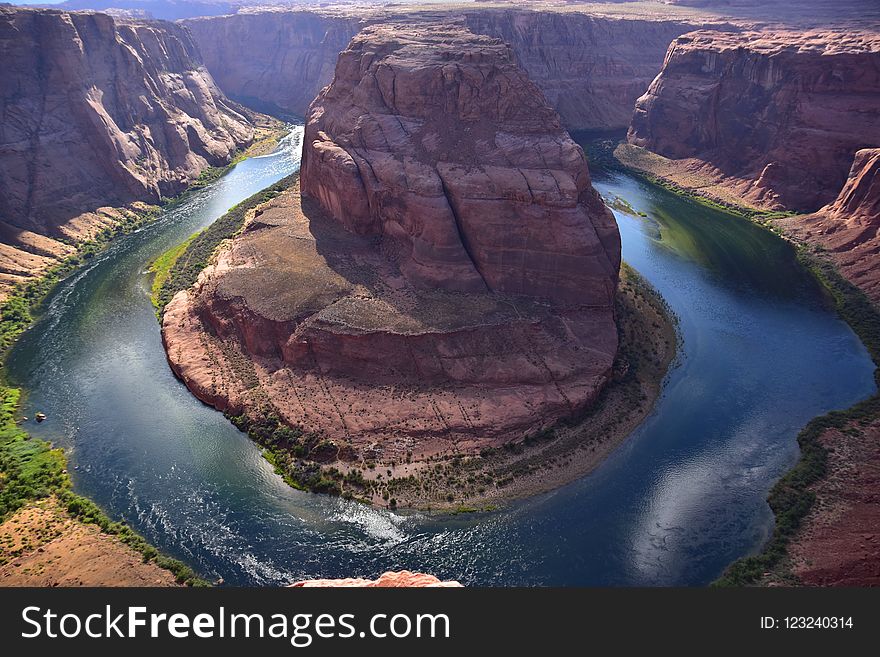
x=97, y=112
x=849, y=227
x=590, y=68
x=774, y=117
x=444, y=282
x=458, y=161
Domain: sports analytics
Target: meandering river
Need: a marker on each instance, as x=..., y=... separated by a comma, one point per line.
x=762, y=353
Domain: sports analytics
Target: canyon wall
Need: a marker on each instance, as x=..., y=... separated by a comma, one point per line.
x=444, y=280
x=274, y=61
x=773, y=117
x=98, y=112
x=849, y=226
x=591, y=69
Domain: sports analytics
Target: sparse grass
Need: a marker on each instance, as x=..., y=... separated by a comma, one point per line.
x=289, y=449
x=161, y=268
x=191, y=260
x=464, y=482
x=31, y=469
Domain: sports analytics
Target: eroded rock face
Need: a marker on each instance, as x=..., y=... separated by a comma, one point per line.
x=590, y=68
x=98, y=112
x=456, y=160
x=391, y=579
x=444, y=282
x=849, y=227
x=774, y=116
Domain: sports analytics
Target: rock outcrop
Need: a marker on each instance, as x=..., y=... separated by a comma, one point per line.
x=98, y=112
x=445, y=279
x=590, y=68
x=775, y=118
x=391, y=579
x=458, y=161
x=849, y=227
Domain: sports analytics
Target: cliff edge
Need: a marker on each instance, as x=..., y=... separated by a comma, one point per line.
x=849, y=226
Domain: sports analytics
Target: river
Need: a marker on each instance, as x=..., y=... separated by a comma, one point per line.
x=762, y=353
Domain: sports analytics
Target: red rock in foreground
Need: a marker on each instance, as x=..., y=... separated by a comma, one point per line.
x=391, y=579
x=850, y=226
x=445, y=281
x=773, y=117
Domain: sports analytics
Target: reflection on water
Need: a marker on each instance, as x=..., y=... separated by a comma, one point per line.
x=762, y=354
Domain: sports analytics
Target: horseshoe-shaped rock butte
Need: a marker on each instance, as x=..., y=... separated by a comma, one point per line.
x=441, y=278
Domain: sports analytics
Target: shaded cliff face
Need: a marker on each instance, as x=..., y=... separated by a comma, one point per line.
x=273, y=60
x=849, y=227
x=591, y=69
x=445, y=280
x=98, y=112
x=774, y=116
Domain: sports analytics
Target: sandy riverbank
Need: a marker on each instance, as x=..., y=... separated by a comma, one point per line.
x=41, y=545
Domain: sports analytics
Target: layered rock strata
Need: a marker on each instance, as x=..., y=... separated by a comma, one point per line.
x=771, y=119
x=274, y=61
x=590, y=68
x=445, y=278
x=97, y=113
